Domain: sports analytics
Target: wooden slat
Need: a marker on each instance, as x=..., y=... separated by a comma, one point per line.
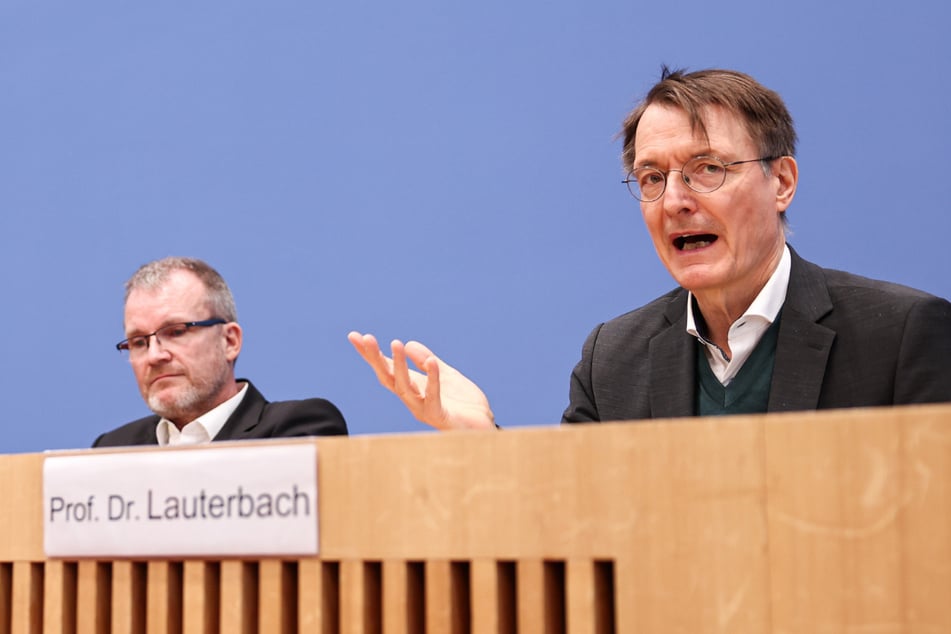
x=581, y=597
x=403, y=597
x=239, y=597
x=590, y=597
x=164, y=598
x=201, y=609
x=59, y=597
x=27, y=617
x=317, y=601
x=93, y=597
x=278, y=597
x=541, y=597
x=493, y=597
x=360, y=597
x=128, y=597
x=6, y=596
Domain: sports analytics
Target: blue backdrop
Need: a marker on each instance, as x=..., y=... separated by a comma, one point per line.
x=432, y=170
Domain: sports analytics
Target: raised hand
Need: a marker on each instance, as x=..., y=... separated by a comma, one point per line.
x=438, y=394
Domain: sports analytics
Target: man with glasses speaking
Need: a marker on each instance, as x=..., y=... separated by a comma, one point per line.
x=182, y=341
x=752, y=326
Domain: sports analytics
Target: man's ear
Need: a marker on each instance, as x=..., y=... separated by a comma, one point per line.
x=786, y=173
x=233, y=338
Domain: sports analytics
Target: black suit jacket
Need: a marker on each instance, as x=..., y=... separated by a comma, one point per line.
x=254, y=417
x=844, y=341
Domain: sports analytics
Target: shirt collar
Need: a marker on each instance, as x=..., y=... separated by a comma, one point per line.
x=767, y=303
x=202, y=429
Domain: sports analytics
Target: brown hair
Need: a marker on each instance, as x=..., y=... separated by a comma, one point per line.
x=762, y=110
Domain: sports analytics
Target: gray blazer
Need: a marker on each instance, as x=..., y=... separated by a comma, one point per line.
x=254, y=417
x=844, y=341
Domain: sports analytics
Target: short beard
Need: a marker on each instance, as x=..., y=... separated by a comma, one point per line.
x=190, y=403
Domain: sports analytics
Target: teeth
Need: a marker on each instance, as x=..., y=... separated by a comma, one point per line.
x=699, y=244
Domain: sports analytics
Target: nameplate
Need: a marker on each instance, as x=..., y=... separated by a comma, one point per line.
x=243, y=501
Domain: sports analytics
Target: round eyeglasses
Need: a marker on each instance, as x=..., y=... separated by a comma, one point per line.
x=171, y=334
x=702, y=174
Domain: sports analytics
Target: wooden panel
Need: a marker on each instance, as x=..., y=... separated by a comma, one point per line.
x=21, y=524
x=816, y=521
x=860, y=521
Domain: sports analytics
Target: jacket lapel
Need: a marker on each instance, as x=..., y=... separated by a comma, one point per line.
x=245, y=417
x=803, y=347
x=672, y=359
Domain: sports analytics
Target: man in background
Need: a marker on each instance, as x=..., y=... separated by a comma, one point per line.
x=182, y=340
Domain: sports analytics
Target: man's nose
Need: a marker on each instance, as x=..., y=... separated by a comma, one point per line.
x=677, y=196
x=155, y=349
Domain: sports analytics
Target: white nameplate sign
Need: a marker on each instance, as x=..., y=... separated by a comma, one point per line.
x=255, y=500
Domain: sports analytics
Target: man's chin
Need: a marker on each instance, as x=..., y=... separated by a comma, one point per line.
x=167, y=405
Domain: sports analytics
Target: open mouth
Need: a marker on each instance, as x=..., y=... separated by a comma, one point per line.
x=697, y=241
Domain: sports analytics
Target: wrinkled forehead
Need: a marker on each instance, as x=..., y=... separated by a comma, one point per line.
x=665, y=129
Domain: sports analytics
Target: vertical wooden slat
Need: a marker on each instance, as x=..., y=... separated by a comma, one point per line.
x=394, y=597
x=278, y=597
x=404, y=607
x=581, y=596
x=360, y=597
x=6, y=597
x=128, y=597
x=318, y=597
x=164, y=598
x=438, y=596
x=200, y=597
x=447, y=596
x=93, y=597
x=239, y=597
x=541, y=596
x=27, y=617
x=59, y=597
x=590, y=597
x=493, y=597
x=310, y=591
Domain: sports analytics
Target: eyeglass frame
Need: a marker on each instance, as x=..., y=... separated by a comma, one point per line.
x=627, y=181
x=123, y=346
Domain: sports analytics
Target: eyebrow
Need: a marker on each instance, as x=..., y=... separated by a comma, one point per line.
x=707, y=151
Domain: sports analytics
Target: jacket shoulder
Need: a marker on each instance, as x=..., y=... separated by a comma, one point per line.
x=138, y=432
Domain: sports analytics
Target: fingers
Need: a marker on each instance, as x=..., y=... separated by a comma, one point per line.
x=433, y=396
x=403, y=383
x=369, y=349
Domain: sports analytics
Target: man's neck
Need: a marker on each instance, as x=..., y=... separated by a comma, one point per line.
x=721, y=307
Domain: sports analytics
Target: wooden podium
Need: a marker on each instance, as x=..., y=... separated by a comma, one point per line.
x=789, y=523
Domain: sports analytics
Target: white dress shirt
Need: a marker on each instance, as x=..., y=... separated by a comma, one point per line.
x=746, y=331
x=203, y=428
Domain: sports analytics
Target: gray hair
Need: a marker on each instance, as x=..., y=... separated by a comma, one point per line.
x=155, y=273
